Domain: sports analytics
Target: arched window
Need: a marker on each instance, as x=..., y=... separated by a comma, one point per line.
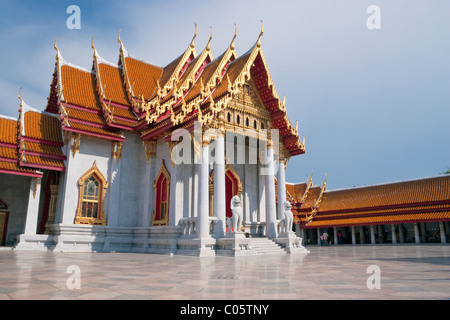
x=238, y=119
x=89, y=208
x=247, y=122
x=162, y=189
x=92, y=191
x=255, y=124
x=229, y=117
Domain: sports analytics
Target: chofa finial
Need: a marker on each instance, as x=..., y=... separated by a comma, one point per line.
x=208, y=46
x=234, y=37
x=192, y=45
x=20, y=97
x=118, y=38
x=260, y=34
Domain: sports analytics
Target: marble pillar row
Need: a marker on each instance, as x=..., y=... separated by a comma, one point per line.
x=442, y=232
x=147, y=184
x=394, y=236
x=353, y=235
x=219, y=185
x=372, y=234
x=281, y=188
x=269, y=181
x=203, y=191
x=416, y=233
x=31, y=222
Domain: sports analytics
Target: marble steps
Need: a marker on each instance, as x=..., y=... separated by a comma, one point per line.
x=266, y=246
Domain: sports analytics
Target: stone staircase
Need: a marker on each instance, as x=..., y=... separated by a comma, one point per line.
x=266, y=246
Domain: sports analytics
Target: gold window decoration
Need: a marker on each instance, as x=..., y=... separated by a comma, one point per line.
x=162, y=196
x=92, y=189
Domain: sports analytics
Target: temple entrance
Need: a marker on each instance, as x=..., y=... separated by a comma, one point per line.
x=233, y=186
x=3, y=222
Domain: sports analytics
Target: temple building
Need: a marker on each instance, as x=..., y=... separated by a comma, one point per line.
x=189, y=158
x=413, y=211
x=141, y=158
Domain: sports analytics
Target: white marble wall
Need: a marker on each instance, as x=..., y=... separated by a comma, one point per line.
x=15, y=193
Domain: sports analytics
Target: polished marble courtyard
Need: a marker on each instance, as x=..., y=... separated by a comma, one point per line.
x=330, y=272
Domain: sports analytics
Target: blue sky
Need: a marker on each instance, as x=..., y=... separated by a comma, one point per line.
x=374, y=105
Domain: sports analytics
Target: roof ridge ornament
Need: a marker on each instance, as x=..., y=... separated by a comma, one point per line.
x=20, y=98
x=55, y=46
x=258, y=42
x=118, y=38
x=192, y=45
x=92, y=46
x=208, y=46
x=234, y=37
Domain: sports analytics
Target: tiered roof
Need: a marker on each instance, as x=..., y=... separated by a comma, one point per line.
x=31, y=143
x=401, y=202
x=137, y=96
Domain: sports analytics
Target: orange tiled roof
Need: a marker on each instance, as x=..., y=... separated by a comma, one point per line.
x=43, y=148
x=415, y=200
x=42, y=126
x=388, y=219
x=43, y=161
x=93, y=117
x=169, y=70
x=399, y=193
x=296, y=190
x=10, y=161
x=79, y=87
x=312, y=197
x=112, y=84
x=86, y=128
x=142, y=77
x=8, y=131
x=14, y=168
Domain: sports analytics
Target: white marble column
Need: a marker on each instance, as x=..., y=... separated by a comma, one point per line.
x=203, y=191
x=281, y=187
x=219, y=185
x=416, y=233
x=269, y=180
x=353, y=235
x=335, y=235
x=394, y=236
x=372, y=234
x=33, y=207
x=362, y=236
x=442, y=232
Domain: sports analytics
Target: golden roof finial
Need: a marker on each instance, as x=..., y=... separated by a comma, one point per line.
x=20, y=98
x=118, y=39
x=234, y=37
x=192, y=45
x=92, y=45
x=55, y=46
x=258, y=43
x=208, y=46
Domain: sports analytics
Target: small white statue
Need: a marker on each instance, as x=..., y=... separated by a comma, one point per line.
x=236, y=211
x=288, y=217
